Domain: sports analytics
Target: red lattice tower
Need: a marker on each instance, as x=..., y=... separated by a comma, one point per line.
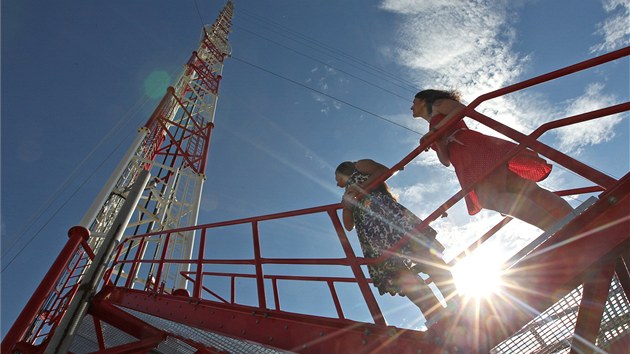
x=171, y=149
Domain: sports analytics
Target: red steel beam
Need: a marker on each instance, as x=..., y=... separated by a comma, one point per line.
x=623, y=270
x=124, y=321
x=260, y=281
x=589, y=318
x=78, y=235
x=148, y=335
x=141, y=346
x=620, y=345
x=286, y=331
x=593, y=234
x=553, y=269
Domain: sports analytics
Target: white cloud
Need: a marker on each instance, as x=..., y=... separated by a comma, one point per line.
x=328, y=74
x=457, y=44
x=577, y=136
x=615, y=29
x=428, y=159
x=415, y=196
x=418, y=6
x=468, y=46
x=323, y=85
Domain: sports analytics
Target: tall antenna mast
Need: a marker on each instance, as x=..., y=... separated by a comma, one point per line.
x=173, y=146
x=155, y=187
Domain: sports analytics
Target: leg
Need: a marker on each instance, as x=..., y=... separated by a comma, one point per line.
x=509, y=194
x=414, y=288
x=423, y=250
x=554, y=205
x=549, y=201
x=516, y=205
x=435, y=267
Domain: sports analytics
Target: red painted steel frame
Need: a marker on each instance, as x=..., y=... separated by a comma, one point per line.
x=28, y=317
x=600, y=215
x=546, y=274
x=604, y=183
x=148, y=336
x=297, y=333
x=595, y=293
x=186, y=144
x=258, y=261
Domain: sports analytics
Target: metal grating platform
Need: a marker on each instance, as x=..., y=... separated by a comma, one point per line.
x=211, y=339
x=85, y=340
x=552, y=331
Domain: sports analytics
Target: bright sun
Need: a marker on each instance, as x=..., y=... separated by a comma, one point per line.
x=478, y=275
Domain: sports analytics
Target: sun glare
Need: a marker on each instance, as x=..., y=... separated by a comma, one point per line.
x=478, y=275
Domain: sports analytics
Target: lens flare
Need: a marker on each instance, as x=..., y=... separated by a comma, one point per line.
x=156, y=83
x=478, y=275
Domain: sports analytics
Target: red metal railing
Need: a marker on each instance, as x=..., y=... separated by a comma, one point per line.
x=47, y=303
x=602, y=183
x=525, y=141
x=137, y=244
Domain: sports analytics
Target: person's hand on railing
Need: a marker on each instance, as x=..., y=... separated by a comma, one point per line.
x=351, y=195
x=425, y=137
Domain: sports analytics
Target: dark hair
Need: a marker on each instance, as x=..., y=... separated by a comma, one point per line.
x=430, y=96
x=347, y=168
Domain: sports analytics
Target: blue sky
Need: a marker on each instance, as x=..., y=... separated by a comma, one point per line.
x=79, y=78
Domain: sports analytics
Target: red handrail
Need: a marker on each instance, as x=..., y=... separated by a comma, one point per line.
x=602, y=181
x=28, y=318
x=46, y=290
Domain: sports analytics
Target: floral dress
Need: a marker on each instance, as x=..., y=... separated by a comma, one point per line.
x=380, y=222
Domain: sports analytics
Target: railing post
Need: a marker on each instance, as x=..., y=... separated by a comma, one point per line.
x=64, y=334
x=260, y=284
x=77, y=235
x=135, y=266
x=370, y=300
x=198, y=284
x=160, y=269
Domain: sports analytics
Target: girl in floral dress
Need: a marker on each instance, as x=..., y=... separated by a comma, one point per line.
x=381, y=222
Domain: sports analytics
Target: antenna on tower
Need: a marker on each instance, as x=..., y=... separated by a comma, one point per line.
x=156, y=186
x=173, y=147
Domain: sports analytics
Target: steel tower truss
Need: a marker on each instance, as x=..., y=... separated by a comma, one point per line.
x=173, y=145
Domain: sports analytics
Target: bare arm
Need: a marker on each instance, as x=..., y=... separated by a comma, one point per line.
x=448, y=108
x=372, y=168
x=348, y=219
x=368, y=167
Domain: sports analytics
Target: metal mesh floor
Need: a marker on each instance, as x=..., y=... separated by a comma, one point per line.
x=224, y=343
x=552, y=331
x=85, y=340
